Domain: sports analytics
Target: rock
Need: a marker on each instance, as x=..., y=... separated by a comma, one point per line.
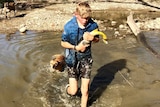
x=22, y=28
x=113, y=23
x=121, y=26
x=152, y=24
x=116, y=33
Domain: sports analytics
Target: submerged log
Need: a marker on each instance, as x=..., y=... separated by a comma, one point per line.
x=132, y=24
x=140, y=35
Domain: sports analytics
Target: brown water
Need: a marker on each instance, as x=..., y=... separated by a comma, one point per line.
x=125, y=74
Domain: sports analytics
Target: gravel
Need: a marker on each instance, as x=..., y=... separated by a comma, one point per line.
x=53, y=18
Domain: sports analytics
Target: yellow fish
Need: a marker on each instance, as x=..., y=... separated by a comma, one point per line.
x=104, y=36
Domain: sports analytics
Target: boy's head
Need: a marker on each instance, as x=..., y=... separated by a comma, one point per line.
x=83, y=9
x=83, y=13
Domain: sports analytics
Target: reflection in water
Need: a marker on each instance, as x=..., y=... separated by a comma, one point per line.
x=27, y=81
x=146, y=44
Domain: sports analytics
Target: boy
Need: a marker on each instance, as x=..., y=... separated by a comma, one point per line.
x=78, y=56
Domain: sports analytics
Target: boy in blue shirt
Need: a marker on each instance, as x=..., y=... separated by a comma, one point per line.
x=78, y=56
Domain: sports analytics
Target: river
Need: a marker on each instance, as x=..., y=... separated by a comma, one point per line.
x=125, y=73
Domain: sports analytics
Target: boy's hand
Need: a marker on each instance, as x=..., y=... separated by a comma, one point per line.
x=81, y=46
x=88, y=36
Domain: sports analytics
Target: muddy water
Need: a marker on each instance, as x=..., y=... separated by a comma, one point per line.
x=125, y=73
x=129, y=76
x=21, y=57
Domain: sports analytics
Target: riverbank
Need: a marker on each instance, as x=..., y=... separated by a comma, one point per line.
x=53, y=17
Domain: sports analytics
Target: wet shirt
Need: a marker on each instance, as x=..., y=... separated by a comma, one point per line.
x=73, y=34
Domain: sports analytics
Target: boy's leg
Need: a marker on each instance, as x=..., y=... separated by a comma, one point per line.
x=73, y=86
x=84, y=91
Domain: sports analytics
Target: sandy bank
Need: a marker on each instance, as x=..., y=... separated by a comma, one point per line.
x=53, y=18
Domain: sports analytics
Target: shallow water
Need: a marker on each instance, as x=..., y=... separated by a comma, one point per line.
x=125, y=73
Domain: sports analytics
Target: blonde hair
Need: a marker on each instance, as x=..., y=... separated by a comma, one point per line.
x=83, y=9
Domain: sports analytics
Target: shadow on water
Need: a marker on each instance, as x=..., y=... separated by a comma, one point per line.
x=104, y=77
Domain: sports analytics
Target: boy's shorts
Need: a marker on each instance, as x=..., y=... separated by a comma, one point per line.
x=82, y=69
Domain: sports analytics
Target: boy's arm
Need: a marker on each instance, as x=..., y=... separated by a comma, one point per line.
x=67, y=45
x=79, y=47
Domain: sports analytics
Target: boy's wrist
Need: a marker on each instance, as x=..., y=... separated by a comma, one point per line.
x=74, y=48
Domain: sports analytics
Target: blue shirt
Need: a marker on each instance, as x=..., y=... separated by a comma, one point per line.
x=73, y=34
